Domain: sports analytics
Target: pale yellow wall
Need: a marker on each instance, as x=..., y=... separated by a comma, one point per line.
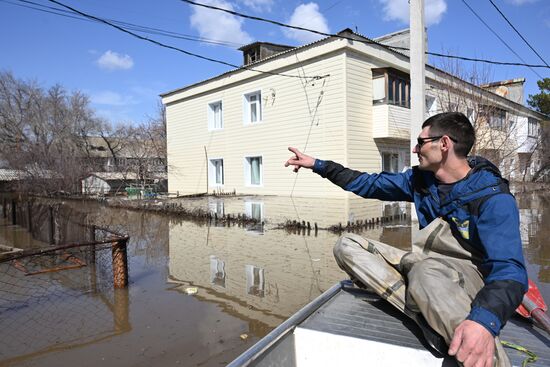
x=288, y=284
x=295, y=112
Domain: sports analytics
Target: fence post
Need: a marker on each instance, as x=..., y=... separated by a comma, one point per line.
x=13, y=212
x=121, y=314
x=120, y=264
x=29, y=216
x=52, y=226
x=92, y=261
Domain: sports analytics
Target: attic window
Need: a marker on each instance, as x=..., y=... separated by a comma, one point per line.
x=100, y=148
x=253, y=55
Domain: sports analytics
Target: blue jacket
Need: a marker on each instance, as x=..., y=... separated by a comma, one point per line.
x=481, y=212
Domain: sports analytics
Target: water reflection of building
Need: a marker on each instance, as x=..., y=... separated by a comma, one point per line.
x=258, y=277
x=325, y=212
x=263, y=276
x=534, y=219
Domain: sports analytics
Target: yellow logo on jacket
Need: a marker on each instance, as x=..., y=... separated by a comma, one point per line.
x=463, y=227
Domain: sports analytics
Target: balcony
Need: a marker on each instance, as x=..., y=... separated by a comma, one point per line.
x=391, y=122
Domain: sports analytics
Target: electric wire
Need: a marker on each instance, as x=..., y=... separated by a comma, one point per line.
x=497, y=36
x=519, y=34
x=366, y=41
x=158, y=43
x=136, y=27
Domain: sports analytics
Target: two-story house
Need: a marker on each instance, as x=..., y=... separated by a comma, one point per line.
x=339, y=99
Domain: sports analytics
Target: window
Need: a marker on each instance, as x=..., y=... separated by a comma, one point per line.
x=470, y=114
x=495, y=116
x=254, y=210
x=378, y=89
x=398, y=91
x=253, y=171
x=532, y=127
x=497, y=119
x=391, y=87
x=215, y=172
x=390, y=162
x=431, y=105
x=253, y=108
x=215, y=116
x=255, y=281
x=216, y=207
x=217, y=271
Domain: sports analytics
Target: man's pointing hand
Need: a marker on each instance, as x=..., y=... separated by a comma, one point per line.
x=299, y=160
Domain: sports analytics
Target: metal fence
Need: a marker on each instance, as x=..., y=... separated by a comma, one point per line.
x=63, y=296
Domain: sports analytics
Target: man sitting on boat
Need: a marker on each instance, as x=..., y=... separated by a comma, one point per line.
x=465, y=275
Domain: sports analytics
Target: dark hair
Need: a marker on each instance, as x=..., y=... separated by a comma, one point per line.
x=455, y=125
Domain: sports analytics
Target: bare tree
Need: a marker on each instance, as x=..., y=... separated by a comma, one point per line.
x=465, y=90
x=42, y=133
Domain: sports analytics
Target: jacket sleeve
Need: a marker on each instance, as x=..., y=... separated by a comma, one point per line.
x=382, y=186
x=503, y=265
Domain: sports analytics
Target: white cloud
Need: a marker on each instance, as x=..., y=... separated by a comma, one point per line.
x=111, y=60
x=217, y=25
x=521, y=2
x=399, y=10
x=111, y=98
x=307, y=16
x=258, y=5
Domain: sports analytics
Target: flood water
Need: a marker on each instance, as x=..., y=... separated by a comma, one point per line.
x=247, y=280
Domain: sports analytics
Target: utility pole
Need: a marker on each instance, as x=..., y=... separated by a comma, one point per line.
x=418, y=68
x=418, y=81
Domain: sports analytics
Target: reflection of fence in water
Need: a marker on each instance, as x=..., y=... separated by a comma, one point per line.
x=64, y=296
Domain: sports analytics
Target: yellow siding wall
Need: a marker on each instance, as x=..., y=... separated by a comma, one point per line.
x=295, y=113
x=361, y=149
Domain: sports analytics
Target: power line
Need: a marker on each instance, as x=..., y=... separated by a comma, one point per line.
x=497, y=36
x=366, y=41
x=519, y=34
x=122, y=29
x=136, y=27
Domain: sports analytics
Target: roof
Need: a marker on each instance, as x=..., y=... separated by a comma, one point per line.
x=347, y=32
x=126, y=176
x=258, y=43
x=115, y=176
x=11, y=174
x=503, y=82
x=279, y=54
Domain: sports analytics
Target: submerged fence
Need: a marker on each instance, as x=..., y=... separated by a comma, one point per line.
x=65, y=295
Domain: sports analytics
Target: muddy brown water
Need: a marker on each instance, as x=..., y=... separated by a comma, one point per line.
x=247, y=281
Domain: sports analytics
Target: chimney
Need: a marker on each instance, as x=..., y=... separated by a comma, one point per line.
x=257, y=51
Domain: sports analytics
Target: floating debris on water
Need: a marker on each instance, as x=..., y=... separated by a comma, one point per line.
x=191, y=290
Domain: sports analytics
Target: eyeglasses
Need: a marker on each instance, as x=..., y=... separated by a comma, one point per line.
x=421, y=141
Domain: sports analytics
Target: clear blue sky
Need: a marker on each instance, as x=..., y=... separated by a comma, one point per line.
x=123, y=75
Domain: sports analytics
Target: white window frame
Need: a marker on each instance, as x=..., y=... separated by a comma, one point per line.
x=255, y=277
x=217, y=206
x=248, y=209
x=247, y=107
x=399, y=159
x=212, y=172
x=379, y=89
x=248, y=170
x=212, y=115
x=217, y=271
x=532, y=127
x=430, y=105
